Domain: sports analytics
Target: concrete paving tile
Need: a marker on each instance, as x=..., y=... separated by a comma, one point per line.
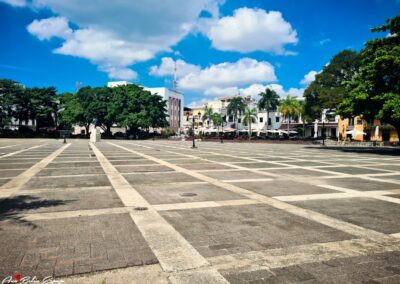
x=21, y=236
x=369, y=213
x=145, y=168
x=234, y=175
x=100, y=180
x=282, y=187
x=360, y=184
x=270, y=227
x=353, y=170
x=159, y=178
x=299, y=172
x=178, y=193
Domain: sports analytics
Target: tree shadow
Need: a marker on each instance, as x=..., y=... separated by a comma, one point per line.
x=11, y=207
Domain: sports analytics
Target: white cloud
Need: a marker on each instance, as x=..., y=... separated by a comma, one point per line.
x=117, y=34
x=242, y=72
x=309, y=77
x=167, y=68
x=15, y=3
x=253, y=90
x=251, y=30
x=50, y=27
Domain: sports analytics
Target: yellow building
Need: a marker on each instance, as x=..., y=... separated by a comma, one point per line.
x=357, y=128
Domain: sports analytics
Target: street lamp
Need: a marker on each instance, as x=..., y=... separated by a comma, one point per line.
x=193, y=135
x=222, y=125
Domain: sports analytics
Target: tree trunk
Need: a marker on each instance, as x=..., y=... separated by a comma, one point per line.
x=87, y=128
x=249, y=130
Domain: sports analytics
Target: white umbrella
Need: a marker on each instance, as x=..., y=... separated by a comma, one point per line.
x=376, y=133
x=316, y=128
x=273, y=131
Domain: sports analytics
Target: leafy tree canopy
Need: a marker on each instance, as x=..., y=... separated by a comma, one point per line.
x=374, y=92
x=328, y=89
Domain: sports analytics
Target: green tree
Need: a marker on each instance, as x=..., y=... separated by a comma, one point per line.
x=328, y=89
x=70, y=111
x=269, y=101
x=249, y=116
x=217, y=120
x=236, y=107
x=208, y=115
x=290, y=108
x=43, y=106
x=9, y=89
x=374, y=92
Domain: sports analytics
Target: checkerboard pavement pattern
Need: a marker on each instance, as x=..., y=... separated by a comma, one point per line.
x=161, y=212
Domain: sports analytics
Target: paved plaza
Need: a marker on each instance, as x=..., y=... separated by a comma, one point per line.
x=161, y=212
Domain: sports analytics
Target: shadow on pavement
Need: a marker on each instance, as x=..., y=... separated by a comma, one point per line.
x=11, y=207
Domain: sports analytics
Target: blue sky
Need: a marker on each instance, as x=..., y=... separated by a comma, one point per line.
x=221, y=47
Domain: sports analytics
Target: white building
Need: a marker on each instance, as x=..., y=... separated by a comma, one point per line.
x=174, y=101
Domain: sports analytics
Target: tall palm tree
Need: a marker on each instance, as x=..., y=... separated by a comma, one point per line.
x=289, y=107
x=249, y=116
x=208, y=113
x=269, y=101
x=236, y=107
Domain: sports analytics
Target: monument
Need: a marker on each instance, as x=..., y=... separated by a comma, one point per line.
x=95, y=135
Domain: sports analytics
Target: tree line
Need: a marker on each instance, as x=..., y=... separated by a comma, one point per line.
x=127, y=106
x=365, y=83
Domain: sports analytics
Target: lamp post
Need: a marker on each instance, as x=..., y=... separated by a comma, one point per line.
x=193, y=136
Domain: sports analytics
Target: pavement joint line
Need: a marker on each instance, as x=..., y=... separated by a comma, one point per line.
x=148, y=173
x=58, y=189
x=246, y=180
x=367, y=176
x=203, y=204
x=17, y=182
x=172, y=250
x=343, y=226
x=21, y=151
x=3, y=147
x=309, y=253
x=67, y=176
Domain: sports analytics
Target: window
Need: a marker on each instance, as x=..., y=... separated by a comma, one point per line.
x=269, y=121
x=230, y=118
x=239, y=120
x=277, y=119
x=359, y=121
x=261, y=119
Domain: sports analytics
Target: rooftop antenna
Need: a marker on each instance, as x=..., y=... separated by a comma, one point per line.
x=78, y=85
x=175, y=83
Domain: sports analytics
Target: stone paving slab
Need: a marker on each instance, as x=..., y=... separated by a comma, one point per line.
x=258, y=165
x=145, y=168
x=10, y=173
x=283, y=187
x=299, y=172
x=45, y=182
x=73, y=164
x=369, y=213
x=205, y=166
x=360, y=184
x=353, y=170
x=159, y=178
x=4, y=181
x=380, y=268
x=234, y=175
x=69, y=246
x=71, y=171
x=182, y=193
x=60, y=200
x=251, y=228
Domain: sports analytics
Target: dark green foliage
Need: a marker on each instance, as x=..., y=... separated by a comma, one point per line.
x=328, y=89
x=374, y=92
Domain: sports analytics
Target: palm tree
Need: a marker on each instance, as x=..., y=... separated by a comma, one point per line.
x=249, y=116
x=217, y=120
x=289, y=107
x=269, y=102
x=208, y=114
x=236, y=107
